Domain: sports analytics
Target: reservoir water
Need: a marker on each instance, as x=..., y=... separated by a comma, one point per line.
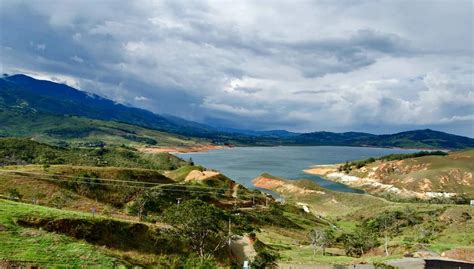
x=243, y=164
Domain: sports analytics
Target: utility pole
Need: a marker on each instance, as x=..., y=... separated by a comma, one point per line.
x=230, y=237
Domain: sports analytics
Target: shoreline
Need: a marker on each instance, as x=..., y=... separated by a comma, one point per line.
x=371, y=185
x=206, y=148
x=177, y=149
x=321, y=169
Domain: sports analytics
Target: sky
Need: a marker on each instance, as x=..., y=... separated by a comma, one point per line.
x=371, y=66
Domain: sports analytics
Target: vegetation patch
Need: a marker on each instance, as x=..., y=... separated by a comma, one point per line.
x=106, y=232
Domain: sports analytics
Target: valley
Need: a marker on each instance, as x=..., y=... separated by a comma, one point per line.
x=59, y=114
x=92, y=202
x=236, y=134
x=85, y=182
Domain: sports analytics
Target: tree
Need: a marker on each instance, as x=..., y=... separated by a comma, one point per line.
x=357, y=243
x=144, y=199
x=319, y=239
x=59, y=200
x=201, y=225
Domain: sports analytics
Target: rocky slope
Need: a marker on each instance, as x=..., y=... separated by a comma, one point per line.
x=423, y=177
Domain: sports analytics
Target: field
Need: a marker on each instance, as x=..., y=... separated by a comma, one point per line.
x=40, y=247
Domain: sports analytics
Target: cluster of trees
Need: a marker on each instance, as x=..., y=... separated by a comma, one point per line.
x=141, y=139
x=25, y=151
x=377, y=231
x=72, y=132
x=348, y=166
x=207, y=230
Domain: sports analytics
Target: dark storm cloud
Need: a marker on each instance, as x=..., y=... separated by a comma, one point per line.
x=354, y=64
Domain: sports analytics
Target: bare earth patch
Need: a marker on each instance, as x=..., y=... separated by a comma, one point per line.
x=321, y=169
x=200, y=175
x=463, y=254
x=281, y=186
x=202, y=148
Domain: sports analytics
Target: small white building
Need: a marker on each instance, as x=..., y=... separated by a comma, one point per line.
x=472, y=202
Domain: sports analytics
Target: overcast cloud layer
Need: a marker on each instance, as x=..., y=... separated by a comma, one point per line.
x=375, y=66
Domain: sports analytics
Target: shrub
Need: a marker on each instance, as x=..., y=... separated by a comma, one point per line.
x=14, y=194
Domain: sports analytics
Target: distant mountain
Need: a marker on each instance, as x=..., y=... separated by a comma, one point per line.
x=329, y=138
x=410, y=139
x=27, y=100
x=59, y=99
x=55, y=98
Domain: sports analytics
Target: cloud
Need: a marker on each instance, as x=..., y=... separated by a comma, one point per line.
x=322, y=65
x=77, y=59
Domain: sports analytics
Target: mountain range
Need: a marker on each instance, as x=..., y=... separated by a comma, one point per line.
x=25, y=101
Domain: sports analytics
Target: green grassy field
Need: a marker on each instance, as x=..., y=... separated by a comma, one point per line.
x=41, y=247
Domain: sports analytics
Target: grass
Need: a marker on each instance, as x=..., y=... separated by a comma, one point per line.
x=38, y=246
x=181, y=173
x=25, y=151
x=347, y=210
x=79, y=131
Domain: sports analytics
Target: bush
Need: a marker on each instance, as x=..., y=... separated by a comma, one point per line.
x=359, y=242
x=60, y=200
x=195, y=262
x=266, y=258
x=14, y=194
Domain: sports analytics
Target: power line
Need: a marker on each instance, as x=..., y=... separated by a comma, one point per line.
x=19, y=172
x=141, y=184
x=142, y=187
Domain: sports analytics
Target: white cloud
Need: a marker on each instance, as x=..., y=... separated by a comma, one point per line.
x=77, y=59
x=277, y=64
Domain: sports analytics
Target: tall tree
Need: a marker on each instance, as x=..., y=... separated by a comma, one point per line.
x=202, y=225
x=320, y=239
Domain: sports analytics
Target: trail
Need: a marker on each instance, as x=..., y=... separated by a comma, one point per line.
x=235, y=188
x=242, y=249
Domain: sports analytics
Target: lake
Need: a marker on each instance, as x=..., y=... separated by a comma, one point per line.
x=243, y=164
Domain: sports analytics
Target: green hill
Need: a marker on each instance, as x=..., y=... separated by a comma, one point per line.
x=56, y=113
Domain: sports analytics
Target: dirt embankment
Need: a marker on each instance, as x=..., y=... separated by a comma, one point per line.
x=196, y=175
x=402, y=178
x=321, y=170
x=463, y=254
x=279, y=185
x=201, y=148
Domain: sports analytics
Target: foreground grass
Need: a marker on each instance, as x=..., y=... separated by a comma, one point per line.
x=40, y=247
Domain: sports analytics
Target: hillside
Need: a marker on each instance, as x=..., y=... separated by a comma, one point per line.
x=411, y=139
x=56, y=113
x=397, y=177
x=90, y=202
x=352, y=215
x=107, y=196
